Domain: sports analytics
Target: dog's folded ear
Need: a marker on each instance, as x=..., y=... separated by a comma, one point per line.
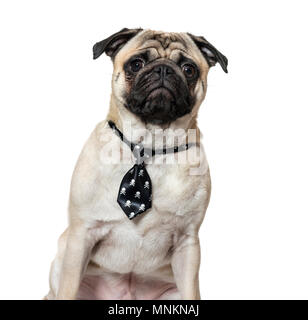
x=210, y=53
x=114, y=43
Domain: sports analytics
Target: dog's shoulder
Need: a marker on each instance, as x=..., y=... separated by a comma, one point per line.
x=87, y=168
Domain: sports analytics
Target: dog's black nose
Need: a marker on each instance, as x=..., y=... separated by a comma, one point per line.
x=163, y=70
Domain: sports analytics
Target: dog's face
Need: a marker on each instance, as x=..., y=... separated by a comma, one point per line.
x=159, y=76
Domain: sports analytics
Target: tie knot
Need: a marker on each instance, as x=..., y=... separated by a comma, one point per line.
x=138, y=153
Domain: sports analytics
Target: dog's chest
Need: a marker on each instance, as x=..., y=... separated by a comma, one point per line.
x=174, y=190
x=135, y=246
x=146, y=242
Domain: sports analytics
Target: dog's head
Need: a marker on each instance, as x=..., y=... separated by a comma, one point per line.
x=159, y=76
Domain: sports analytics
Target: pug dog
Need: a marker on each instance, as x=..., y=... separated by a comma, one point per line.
x=146, y=245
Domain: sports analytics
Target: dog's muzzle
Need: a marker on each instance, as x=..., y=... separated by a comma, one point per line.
x=160, y=94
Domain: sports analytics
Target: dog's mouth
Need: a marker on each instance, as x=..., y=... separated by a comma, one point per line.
x=162, y=92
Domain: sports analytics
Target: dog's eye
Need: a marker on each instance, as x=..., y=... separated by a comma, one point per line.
x=136, y=65
x=189, y=70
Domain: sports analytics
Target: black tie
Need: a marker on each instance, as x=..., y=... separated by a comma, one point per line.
x=135, y=192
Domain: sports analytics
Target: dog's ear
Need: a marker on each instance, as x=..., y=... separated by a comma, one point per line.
x=210, y=53
x=114, y=43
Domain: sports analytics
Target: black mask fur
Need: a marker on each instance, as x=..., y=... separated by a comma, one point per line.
x=160, y=94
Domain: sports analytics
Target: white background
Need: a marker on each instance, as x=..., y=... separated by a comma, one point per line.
x=254, y=119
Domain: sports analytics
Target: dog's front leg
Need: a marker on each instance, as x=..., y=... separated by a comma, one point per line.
x=185, y=265
x=75, y=261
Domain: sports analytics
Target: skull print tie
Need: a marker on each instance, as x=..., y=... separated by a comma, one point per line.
x=135, y=192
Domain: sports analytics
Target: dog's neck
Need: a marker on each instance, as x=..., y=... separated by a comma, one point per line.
x=182, y=130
